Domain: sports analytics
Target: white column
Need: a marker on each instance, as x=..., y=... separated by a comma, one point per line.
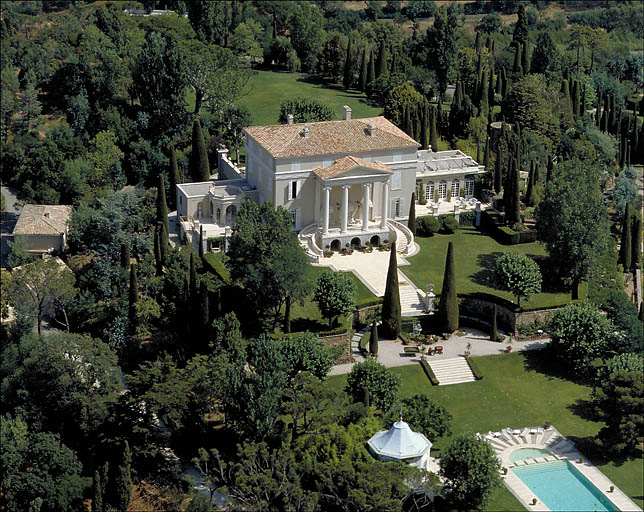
x=365, y=206
x=385, y=204
x=325, y=209
x=345, y=207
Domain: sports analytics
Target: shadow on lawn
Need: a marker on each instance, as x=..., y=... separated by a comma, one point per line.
x=485, y=276
x=543, y=361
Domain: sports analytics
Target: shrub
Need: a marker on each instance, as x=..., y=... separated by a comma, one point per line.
x=429, y=372
x=451, y=224
x=381, y=383
x=427, y=225
x=475, y=369
x=467, y=218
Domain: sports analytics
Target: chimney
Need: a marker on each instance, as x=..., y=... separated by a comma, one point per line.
x=346, y=113
x=289, y=119
x=371, y=129
x=305, y=132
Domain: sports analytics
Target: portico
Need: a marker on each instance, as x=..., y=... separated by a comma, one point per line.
x=354, y=202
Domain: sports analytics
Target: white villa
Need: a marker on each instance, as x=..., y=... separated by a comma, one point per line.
x=347, y=181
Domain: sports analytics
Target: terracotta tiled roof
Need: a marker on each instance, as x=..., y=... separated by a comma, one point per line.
x=346, y=163
x=42, y=219
x=330, y=137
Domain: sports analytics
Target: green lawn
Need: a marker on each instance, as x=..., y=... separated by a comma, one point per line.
x=474, y=257
x=267, y=89
x=519, y=390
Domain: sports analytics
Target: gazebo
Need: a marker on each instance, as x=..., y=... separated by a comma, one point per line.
x=401, y=444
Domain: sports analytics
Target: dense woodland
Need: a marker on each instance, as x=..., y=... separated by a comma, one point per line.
x=140, y=350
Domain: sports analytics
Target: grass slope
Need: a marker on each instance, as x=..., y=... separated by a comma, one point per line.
x=519, y=390
x=475, y=254
x=267, y=89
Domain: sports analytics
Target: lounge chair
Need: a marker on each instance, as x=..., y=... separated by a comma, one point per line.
x=525, y=432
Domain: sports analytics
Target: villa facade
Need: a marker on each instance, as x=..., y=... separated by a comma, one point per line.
x=347, y=181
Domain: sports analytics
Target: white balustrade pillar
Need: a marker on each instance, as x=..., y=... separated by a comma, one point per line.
x=365, y=206
x=385, y=204
x=345, y=207
x=325, y=209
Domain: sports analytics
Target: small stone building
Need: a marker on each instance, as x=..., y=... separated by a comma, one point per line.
x=44, y=227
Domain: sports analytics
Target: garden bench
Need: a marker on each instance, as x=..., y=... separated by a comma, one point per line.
x=411, y=349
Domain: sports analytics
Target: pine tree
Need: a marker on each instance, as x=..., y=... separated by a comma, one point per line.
x=381, y=64
x=411, y=223
x=636, y=251
x=29, y=105
x=363, y=71
x=173, y=174
x=162, y=206
x=627, y=244
x=493, y=334
x=133, y=297
x=347, y=79
x=199, y=166
x=373, y=339
x=448, y=306
x=371, y=71
x=433, y=135
x=391, y=310
x=125, y=255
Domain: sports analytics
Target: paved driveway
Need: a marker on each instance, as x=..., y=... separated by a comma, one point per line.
x=8, y=220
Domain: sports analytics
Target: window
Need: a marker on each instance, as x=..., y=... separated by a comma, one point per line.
x=293, y=189
x=396, y=180
x=429, y=191
x=469, y=186
x=455, y=187
x=442, y=190
x=396, y=208
x=295, y=216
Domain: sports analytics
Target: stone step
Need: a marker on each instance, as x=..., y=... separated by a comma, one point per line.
x=452, y=371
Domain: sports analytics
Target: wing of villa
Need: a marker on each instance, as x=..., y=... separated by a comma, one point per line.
x=347, y=181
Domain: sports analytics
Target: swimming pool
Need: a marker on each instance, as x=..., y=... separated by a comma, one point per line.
x=528, y=453
x=561, y=487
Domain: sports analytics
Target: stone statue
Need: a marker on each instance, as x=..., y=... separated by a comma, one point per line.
x=356, y=211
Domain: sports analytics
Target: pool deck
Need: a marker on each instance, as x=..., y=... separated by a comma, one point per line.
x=562, y=449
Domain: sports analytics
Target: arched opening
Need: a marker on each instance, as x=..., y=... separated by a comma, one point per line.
x=231, y=214
x=375, y=240
x=442, y=190
x=469, y=186
x=429, y=191
x=455, y=188
x=218, y=217
x=355, y=242
x=336, y=245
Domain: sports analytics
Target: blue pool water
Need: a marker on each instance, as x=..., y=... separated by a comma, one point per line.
x=528, y=453
x=561, y=487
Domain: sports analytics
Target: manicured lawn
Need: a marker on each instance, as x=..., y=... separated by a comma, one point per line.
x=519, y=390
x=267, y=89
x=474, y=257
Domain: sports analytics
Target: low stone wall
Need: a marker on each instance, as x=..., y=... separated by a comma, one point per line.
x=337, y=340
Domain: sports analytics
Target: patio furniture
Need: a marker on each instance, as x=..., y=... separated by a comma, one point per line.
x=411, y=349
x=438, y=350
x=525, y=432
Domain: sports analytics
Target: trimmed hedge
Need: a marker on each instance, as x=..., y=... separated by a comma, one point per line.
x=217, y=267
x=428, y=371
x=490, y=220
x=365, y=303
x=467, y=218
x=475, y=369
x=450, y=224
x=427, y=225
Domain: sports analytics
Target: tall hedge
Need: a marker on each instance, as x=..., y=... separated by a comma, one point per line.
x=448, y=306
x=391, y=310
x=199, y=165
x=637, y=241
x=493, y=333
x=373, y=339
x=627, y=245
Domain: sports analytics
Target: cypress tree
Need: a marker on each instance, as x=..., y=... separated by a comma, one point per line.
x=173, y=174
x=439, y=113
x=483, y=103
x=347, y=78
x=99, y=487
x=582, y=107
x=411, y=223
x=158, y=259
x=204, y=309
x=417, y=126
x=524, y=58
x=490, y=91
x=433, y=135
x=381, y=64
x=391, y=310
x=508, y=195
x=493, y=333
x=192, y=288
x=201, y=241
x=125, y=255
x=637, y=241
x=371, y=71
x=499, y=81
x=598, y=108
x=504, y=84
x=394, y=63
x=448, y=306
x=478, y=152
x=536, y=173
x=575, y=99
x=498, y=172
x=612, y=120
x=199, y=166
x=123, y=481
x=627, y=243
x=163, y=242
x=477, y=42
x=424, y=127
x=635, y=141
x=373, y=339
x=529, y=195
x=133, y=297
x=549, y=169
x=363, y=71
x=603, y=125
x=517, y=59
x=639, y=154
x=162, y=206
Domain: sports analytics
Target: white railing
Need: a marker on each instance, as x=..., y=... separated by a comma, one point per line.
x=405, y=231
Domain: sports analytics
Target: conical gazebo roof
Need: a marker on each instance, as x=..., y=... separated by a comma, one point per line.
x=399, y=442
